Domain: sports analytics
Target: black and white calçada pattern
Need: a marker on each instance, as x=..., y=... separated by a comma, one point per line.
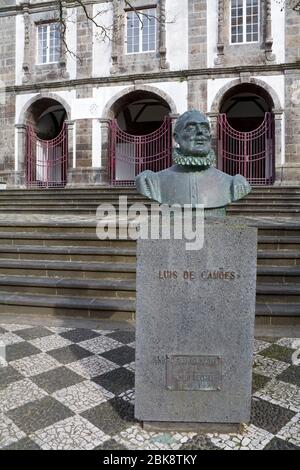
x=73, y=388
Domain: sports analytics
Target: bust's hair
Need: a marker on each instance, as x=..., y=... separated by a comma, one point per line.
x=193, y=115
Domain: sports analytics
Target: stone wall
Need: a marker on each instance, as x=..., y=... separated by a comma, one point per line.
x=292, y=123
x=83, y=143
x=197, y=93
x=292, y=36
x=84, y=43
x=197, y=34
x=7, y=100
x=7, y=136
x=7, y=49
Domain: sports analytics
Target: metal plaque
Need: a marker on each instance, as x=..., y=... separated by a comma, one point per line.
x=188, y=373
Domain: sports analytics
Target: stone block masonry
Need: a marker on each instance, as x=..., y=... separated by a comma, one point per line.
x=7, y=49
x=84, y=143
x=197, y=34
x=292, y=35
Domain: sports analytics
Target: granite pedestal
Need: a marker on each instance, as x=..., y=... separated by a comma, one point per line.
x=195, y=328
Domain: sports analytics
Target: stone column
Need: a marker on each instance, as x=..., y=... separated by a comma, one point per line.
x=21, y=146
x=105, y=157
x=173, y=118
x=162, y=36
x=213, y=119
x=220, y=44
x=63, y=47
x=270, y=57
x=26, y=62
x=115, y=38
x=278, y=146
x=71, y=144
x=17, y=179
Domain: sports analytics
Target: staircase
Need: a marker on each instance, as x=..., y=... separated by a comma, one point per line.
x=52, y=263
x=269, y=201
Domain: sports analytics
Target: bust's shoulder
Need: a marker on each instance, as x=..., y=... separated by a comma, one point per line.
x=218, y=175
x=240, y=187
x=146, y=183
x=147, y=174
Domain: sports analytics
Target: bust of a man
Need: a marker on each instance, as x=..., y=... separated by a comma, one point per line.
x=193, y=179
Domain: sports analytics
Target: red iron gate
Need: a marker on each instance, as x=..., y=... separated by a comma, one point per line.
x=250, y=154
x=131, y=154
x=46, y=160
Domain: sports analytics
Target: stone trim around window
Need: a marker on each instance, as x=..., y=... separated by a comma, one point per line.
x=260, y=52
x=123, y=63
x=34, y=72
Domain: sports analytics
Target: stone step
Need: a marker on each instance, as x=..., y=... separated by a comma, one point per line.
x=278, y=293
x=258, y=197
x=114, y=309
x=74, y=269
x=264, y=204
x=60, y=203
x=278, y=274
x=116, y=254
x=278, y=243
x=278, y=257
x=275, y=189
x=66, y=253
x=85, y=240
x=283, y=229
x=263, y=211
x=89, y=288
x=54, y=210
x=120, y=288
x=70, y=198
x=73, y=225
x=279, y=206
x=278, y=310
x=72, y=191
x=52, y=239
x=33, y=224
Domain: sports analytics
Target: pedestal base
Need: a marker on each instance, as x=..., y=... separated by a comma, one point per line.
x=203, y=428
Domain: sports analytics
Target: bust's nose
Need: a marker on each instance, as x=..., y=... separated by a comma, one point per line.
x=199, y=130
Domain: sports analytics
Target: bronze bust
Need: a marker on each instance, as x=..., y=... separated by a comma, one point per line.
x=193, y=179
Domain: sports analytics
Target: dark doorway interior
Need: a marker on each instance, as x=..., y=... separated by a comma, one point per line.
x=245, y=107
x=47, y=116
x=141, y=112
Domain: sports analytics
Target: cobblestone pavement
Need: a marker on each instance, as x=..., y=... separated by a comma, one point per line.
x=73, y=388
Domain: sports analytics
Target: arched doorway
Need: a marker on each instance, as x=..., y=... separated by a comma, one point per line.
x=46, y=144
x=140, y=136
x=246, y=142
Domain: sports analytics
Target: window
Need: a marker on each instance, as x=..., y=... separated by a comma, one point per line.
x=244, y=21
x=48, y=38
x=141, y=31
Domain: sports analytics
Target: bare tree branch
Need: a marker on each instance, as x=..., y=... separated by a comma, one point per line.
x=103, y=31
x=290, y=5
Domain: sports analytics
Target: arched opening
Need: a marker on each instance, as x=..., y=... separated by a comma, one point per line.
x=246, y=134
x=46, y=144
x=140, y=136
x=245, y=106
x=141, y=112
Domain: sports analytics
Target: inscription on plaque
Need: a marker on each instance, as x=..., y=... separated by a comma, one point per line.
x=193, y=373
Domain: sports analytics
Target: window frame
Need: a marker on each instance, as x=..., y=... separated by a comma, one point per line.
x=245, y=25
x=48, y=25
x=137, y=10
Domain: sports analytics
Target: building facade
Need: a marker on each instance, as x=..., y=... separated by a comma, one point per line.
x=98, y=107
